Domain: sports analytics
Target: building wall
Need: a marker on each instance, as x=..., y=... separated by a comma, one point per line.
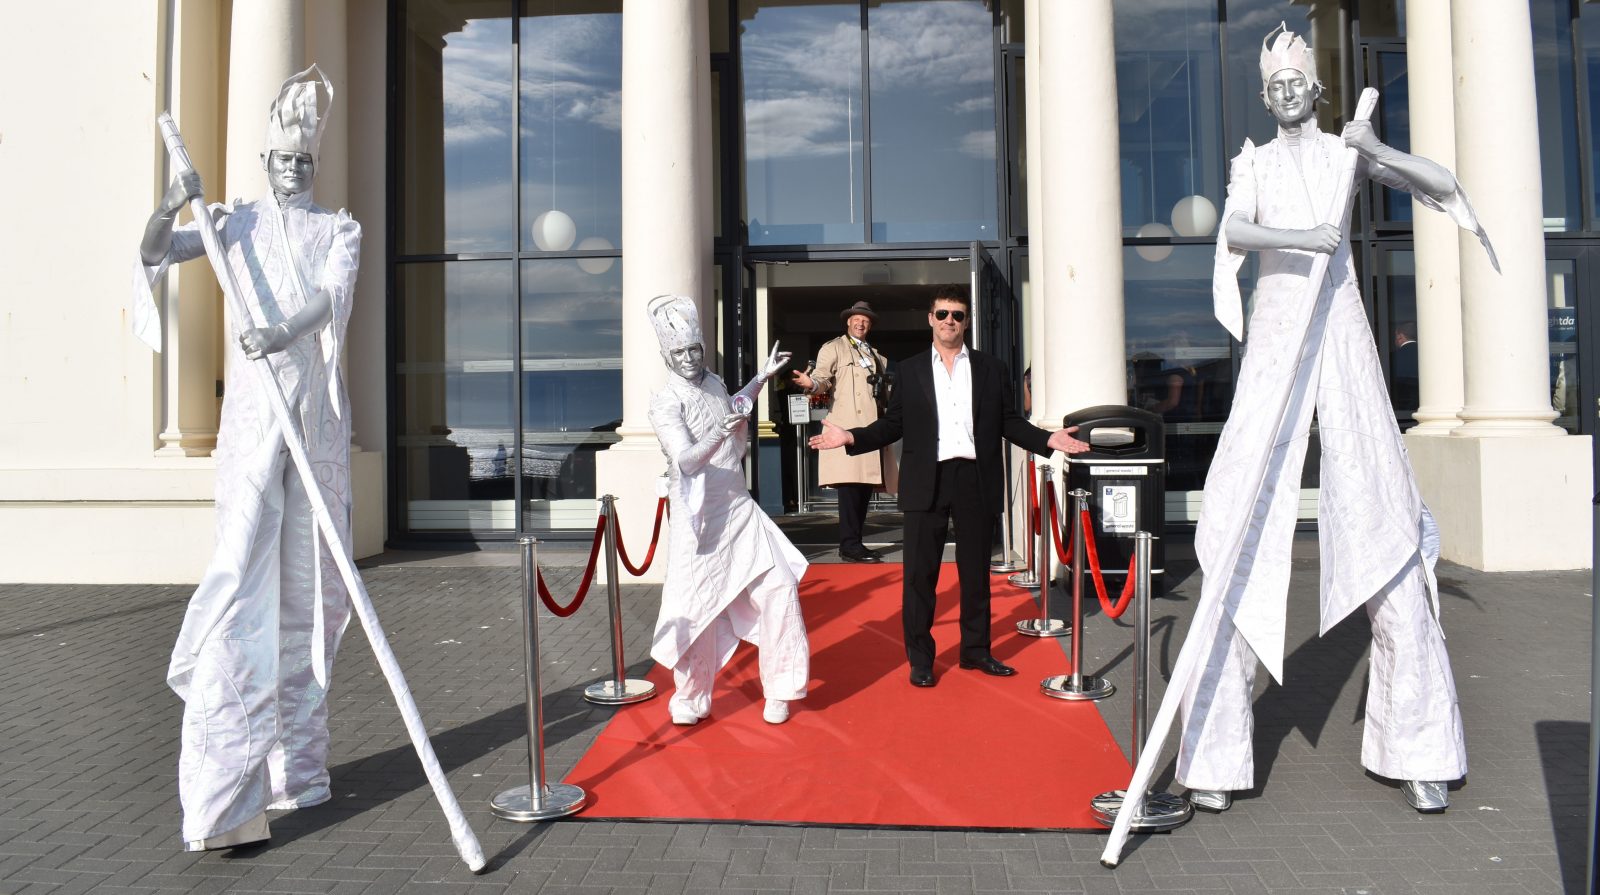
x=84, y=495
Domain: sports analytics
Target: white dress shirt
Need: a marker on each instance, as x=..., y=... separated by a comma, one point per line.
x=952, y=393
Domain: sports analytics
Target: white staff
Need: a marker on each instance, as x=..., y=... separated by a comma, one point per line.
x=466, y=841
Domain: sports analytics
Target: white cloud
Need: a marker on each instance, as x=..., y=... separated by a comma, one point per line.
x=798, y=126
x=978, y=144
x=982, y=103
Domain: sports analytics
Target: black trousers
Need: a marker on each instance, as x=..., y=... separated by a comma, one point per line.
x=853, y=500
x=955, y=499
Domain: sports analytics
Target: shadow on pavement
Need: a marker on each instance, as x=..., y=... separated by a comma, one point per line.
x=1564, y=756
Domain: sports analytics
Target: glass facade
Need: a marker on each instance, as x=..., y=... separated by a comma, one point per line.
x=878, y=130
x=804, y=123
x=1169, y=80
x=851, y=110
x=507, y=319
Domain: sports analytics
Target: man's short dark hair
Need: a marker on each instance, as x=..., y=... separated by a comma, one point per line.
x=952, y=292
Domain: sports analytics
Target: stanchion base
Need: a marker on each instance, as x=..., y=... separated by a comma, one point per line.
x=1162, y=811
x=560, y=800
x=1024, y=579
x=1043, y=627
x=1004, y=566
x=609, y=693
x=1089, y=687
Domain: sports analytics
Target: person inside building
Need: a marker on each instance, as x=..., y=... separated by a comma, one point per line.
x=854, y=378
x=732, y=575
x=1310, y=350
x=951, y=407
x=256, y=649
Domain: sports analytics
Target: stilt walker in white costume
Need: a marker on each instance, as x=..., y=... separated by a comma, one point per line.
x=1311, y=349
x=256, y=649
x=731, y=574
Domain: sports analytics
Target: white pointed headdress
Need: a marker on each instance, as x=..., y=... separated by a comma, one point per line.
x=677, y=321
x=1288, y=50
x=298, y=115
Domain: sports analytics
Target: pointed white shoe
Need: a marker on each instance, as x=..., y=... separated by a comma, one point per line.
x=1214, y=800
x=685, y=719
x=776, y=712
x=1427, y=796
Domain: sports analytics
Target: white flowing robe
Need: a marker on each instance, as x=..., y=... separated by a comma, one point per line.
x=254, y=655
x=1377, y=541
x=731, y=573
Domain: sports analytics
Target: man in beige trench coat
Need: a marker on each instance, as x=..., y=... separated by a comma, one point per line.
x=853, y=376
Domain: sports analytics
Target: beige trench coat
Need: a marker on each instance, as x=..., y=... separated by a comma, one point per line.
x=840, y=376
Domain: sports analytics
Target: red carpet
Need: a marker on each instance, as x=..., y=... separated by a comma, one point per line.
x=865, y=747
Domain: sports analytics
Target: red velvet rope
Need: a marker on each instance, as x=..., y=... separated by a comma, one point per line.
x=1093, y=555
x=583, y=588
x=655, y=538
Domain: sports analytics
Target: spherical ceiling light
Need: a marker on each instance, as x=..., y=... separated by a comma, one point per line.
x=554, y=231
x=1194, y=216
x=1153, y=230
x=595, y=266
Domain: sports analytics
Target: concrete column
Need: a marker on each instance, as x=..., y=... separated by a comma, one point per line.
x=266, y=46
x=189, y=363
x=666, y=228
x=1497, y=145
x=1082, y=214
x=1438, y=268
x=327, y=41
x=1510, y=490
x=1032, y=110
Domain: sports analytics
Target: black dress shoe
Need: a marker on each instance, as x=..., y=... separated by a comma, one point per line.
x=922, y=677
x=989, y=665
x=861, y=555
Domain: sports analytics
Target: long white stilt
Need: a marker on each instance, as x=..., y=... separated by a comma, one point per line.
x=1203, y=627
x=466, y=841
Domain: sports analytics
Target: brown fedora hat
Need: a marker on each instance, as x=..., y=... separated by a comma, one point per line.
x=861, y=308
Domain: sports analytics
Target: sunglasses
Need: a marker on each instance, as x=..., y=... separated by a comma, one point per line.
x=946, y=312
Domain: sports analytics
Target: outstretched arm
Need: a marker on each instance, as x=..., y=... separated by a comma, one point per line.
x=1423, y=175
x=775, y=362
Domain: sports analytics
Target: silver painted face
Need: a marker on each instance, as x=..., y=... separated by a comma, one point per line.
x=687, y=362
x=1290, y=96
x=289, y=173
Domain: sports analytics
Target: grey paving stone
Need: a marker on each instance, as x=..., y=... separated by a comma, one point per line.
x=88, y=798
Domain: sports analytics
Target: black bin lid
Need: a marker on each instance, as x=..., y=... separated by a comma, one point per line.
x=1118, y=432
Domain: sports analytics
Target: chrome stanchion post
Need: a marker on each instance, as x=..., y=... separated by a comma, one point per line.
x=1044, y=625
x=801, y=504
x=1029, y=577
x=1006, y=563
x=620, y=690
x=1162, y=810
x=1077, y=685
x=538, y=800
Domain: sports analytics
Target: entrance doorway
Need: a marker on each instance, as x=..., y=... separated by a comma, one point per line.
x=799, y=302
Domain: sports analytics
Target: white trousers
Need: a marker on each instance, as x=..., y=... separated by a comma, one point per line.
x=255, y=725
x=1413, y=725
x=783, y=651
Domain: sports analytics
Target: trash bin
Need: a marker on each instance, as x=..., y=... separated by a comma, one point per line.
x=1125, y=473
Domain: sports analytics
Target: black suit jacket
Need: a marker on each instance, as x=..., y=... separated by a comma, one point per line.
x=913, y=415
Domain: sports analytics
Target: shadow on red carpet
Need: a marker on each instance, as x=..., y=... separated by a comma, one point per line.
x=865, y=748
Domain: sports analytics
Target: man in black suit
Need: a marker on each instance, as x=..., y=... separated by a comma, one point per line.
x=952, y=405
